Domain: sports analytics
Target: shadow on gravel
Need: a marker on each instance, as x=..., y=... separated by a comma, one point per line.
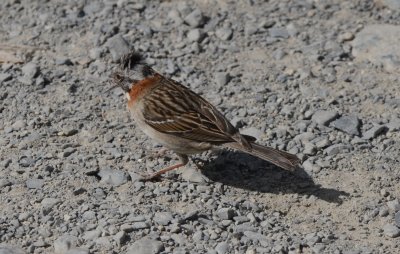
x=247, y=172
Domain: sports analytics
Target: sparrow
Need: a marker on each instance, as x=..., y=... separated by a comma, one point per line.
x=180, y=119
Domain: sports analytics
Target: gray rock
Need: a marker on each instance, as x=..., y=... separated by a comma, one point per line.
x=337, y=149
x=224, y=33
x=394, y=205
x=77, y=251
x=222, y=78
x=194, y=175
x=163, y=218
x=397, y=219
x=252, y=131
x=195, y=35
x=379, y=44
x=392, y=4
x=374, y=132
x=113, y=177
x=68, y=151
x=391, y=231
x=64, y=61
x=50, y=202
x=8, y=249
x=324, y=117
x=348, y=124
x=394, y=124
x=30, y=70
x=120, y=238
x=92, y=234
x=278, y=33
x=195, y=18
x=145, y=246
x=4, y=183
x=18, y=125
x=140, y=225
x=34, y=183
x=225, y=213
x=89, y=215
x=222, y=248
x=118, y=47
x=64, y=243
x=254, y=235
x=309, y=149
x=5, y=77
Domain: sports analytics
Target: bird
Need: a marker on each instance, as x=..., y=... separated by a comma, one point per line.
x=180, y=119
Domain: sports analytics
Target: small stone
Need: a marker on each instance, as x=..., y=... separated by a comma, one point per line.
x=198, y=236
x=195, y=35
x=140, y=225
x=374, y=132
x=64, y=61
x=224, y=34
x=222, y=78
x=5, y=77
x=34, y=183
x=337, y=149
x=95, y=53
x=392, y=4
x=18, y=125
x=397, y=219
x=222, y=248
x=120, y=238
x=4, y=183
x=309, y=149
x=384, y=193
x=194, y=175
x=324, y=117
x=50, y=202
x=64, y=243
x=144, y=246
x=89, y=215
x=347, y=36
x=163, y=218
x=391, y=231
x=225, y=213
x=92, y=234
x=118, y=47
x=254, y=132
x=394, y=205
x=195, y=18
x=113, y=177
x=68, y=151
x=77, y=251
x=383, y=212
x=8, y=249
x=30, y=70
x=348, y=124
x=278, y=33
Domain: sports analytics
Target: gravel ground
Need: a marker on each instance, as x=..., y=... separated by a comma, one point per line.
x=317, y=78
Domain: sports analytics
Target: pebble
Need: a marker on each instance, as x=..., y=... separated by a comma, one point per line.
x=225, y=213
x=193, y=175
x=163, y=218
x=374, y=132
x=394, y=205
x=30, y=70
x=278, y=33
x=391, y=231
x=253, y=131
x=324, y=117
x=34, y=183
x=8, y=249
x=64, y=243
x=5, y=77
x=118, y=47
x=224, y=34
x=337, y=149
x=195, y=18
x=140, y=225
x=113, y=177
x=49, y=203
x=222, y=248
x=195, y=35
x=221, y=78
x=392, y=4
x=397, y=219
x=145, y=246
x=4, y=183
x=120, y=238
x=378, y=43
x=347, y=124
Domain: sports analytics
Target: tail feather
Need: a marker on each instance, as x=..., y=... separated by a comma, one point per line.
x=280, y=158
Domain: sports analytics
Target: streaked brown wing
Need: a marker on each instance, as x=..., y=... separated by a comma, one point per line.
x=174, y=109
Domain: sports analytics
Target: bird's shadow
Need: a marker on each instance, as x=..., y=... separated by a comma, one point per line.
x=247, y=172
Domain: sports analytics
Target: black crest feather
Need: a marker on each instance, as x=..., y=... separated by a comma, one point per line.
x=129, y=60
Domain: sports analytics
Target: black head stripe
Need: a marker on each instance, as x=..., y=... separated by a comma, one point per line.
x=129, y=61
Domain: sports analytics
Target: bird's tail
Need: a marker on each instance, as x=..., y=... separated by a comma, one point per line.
x=280, y=158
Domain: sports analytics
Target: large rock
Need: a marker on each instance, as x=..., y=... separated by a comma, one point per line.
x=379, y=44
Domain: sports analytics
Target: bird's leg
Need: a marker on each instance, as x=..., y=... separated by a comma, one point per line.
x=184, y=160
